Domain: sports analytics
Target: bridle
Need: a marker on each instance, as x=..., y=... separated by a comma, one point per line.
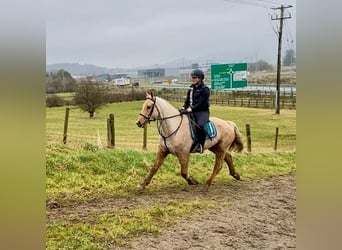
x=148, y=117
x=161, y=119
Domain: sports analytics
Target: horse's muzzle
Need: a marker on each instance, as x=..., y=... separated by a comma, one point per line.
x=139, y=124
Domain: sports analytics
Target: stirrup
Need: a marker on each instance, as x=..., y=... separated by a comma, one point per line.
x=196, y=148
x=199, y=149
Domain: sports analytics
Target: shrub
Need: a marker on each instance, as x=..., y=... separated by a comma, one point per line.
x=135, y=95
x=54, y=101
x=90, y=147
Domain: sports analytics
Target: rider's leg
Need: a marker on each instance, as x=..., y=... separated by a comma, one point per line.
x=201, y=118
x=201, y=139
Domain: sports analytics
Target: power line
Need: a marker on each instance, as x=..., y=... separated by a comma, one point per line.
x=256, y=3
x=288, y=34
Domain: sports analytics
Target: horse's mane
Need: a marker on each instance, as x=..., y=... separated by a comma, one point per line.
x=165, y=103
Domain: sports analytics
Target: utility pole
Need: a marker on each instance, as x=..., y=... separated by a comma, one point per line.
x=277, y=106
x=256, y=68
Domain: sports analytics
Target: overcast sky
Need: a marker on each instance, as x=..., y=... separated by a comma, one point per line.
x=132, y=33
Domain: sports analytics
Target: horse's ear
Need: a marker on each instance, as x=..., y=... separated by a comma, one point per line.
x=149, y=94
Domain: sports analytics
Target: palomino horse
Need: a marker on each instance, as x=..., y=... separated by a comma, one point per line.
x=175, y=138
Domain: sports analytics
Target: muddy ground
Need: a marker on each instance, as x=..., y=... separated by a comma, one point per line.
x=258, y=214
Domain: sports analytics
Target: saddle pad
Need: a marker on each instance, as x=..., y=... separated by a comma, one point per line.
x=210, y=128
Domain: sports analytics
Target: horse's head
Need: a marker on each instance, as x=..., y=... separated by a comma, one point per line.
x=148, y=112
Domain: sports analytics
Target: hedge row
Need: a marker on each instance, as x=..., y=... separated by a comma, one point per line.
x=111, y=97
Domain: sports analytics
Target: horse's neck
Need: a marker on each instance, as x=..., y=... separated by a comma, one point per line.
x=167, y=110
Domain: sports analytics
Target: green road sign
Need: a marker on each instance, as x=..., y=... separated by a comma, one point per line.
x=227, y=76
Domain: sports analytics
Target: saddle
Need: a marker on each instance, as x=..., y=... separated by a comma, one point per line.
x=209, y=127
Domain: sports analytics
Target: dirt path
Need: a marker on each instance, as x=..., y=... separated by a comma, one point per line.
x=258, y=214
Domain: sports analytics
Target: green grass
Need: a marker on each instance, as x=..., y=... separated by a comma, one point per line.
x=78, y=175
x=68, y=95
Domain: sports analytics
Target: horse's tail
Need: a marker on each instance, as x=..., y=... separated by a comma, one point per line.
x=237, y=144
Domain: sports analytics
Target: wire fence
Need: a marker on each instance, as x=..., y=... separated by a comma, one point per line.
x=254, y=97
x=134, y=139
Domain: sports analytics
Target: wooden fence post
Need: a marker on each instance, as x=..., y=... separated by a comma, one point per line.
x=248, y=131
x=110, y=131
x=66, y=121
x=276, y=139
x=145, y=138
x=112, y=127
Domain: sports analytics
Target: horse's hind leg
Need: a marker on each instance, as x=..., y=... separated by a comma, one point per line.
x=161, y=154
x=217, y=168
x=229, y=160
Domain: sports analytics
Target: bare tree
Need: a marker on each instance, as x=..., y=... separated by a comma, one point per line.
x=260, y=65
x=90, y=96
x=289, y=59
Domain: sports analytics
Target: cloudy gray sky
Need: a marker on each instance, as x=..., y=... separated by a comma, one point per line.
x=133, y=33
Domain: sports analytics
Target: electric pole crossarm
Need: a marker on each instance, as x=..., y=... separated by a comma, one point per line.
x=286, y=17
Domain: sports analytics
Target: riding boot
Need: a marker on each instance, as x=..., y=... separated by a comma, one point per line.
x=201, y=140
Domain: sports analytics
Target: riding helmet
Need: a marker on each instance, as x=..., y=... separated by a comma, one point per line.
x=197, y=73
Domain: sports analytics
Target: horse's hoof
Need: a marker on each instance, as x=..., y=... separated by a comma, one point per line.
x=140, y=188
x=192, y=181
x=236, y=176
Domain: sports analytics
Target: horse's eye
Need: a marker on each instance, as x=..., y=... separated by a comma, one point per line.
x=148, y=107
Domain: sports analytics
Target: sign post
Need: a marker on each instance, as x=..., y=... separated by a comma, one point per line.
x=227, y=76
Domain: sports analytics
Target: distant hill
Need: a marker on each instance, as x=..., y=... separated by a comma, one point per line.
x=76, y=69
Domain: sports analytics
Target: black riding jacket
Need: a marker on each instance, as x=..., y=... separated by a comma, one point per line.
x=200, y=97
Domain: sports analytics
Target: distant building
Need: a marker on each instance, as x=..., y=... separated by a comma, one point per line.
x=121, y=81
x=106, y=77
x=195, y=66
x=148, y=73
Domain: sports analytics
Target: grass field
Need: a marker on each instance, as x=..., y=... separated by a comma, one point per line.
x=84, y=131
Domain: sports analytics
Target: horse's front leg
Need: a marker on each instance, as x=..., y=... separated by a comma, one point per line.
x=161, y=154
x=184, y=161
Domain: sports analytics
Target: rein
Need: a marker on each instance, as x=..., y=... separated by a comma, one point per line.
x=165, y=118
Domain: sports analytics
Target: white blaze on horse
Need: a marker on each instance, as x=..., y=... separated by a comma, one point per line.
x=176, y=139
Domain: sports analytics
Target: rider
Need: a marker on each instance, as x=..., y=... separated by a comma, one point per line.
x=197, y=102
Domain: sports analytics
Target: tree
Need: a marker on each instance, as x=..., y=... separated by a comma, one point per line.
x=60, y=81
x=260, y=65
x=90, y=96
x=289, y=59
